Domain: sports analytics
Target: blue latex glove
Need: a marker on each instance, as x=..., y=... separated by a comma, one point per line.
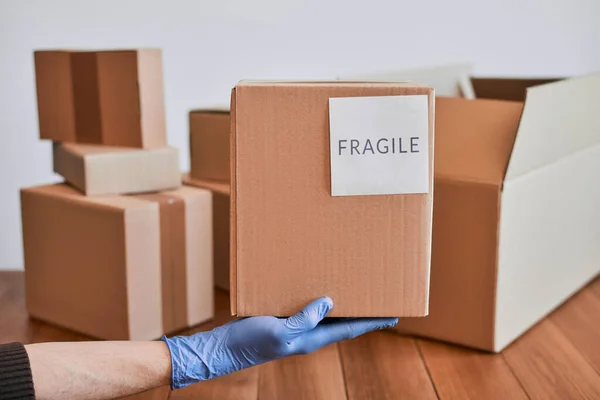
x=251, y=341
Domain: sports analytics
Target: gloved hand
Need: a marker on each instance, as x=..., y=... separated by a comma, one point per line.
x=251, y=341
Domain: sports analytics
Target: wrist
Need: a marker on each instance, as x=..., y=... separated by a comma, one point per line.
x=188, y=365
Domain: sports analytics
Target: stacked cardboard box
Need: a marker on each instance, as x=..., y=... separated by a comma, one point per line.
x=121, y=250
x=209, y=156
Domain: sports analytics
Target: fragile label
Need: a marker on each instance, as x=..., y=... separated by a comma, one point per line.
x=379, y=145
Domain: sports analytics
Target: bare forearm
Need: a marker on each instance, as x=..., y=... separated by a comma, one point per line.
x=98, y=370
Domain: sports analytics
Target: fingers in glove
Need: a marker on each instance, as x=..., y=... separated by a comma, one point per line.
x=333, y=332
x=308, y=318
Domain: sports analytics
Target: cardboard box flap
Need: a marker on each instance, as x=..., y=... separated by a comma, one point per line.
x=448, y=80
x=506, y=88
x=559, y=119
x=474, y=138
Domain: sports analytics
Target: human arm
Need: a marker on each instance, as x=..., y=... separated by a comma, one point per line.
x=256, y=340
x=98, y=370
x=105, y=370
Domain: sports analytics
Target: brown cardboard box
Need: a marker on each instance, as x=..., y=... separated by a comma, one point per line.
x=515, y=227
x=291, y=240
x=113, y=98
x=220, y=192
x=118, y=267
x=104, y=170
x=209, y=144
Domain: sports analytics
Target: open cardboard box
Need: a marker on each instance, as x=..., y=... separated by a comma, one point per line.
x=516, y=225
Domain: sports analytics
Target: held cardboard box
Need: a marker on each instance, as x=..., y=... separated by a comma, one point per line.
x=104, y=170
x=209, y=144
x=118, y=267
x=516, y=222
x=452, y=80
x=113, y=98
x=220, y=224
x=296, y=234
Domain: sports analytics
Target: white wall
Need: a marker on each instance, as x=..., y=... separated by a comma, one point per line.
x=209, y=46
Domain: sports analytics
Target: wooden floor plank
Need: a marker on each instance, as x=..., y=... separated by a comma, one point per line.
x=461, y=373
x=549, y=366
x=557, y=359
x=383, y=365
x=50, y=333
x=315, y=376
x=15, y=325
x=578, y=321
x=241, y=385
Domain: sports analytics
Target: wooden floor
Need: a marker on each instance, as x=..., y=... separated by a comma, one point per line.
x=558, y=359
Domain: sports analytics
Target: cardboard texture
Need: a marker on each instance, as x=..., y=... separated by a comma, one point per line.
x=220, y=225
x=515, y=227
x=209, y=144
x=118, y=267
x=113, y=98
x=452, y=80
x=104, y=170
x=291, y=241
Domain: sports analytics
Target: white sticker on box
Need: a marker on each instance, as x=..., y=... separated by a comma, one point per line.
x=379, y=145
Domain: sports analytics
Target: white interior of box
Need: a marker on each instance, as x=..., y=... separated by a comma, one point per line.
x=549, y=238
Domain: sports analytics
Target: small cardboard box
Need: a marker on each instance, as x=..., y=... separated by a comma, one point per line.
x=118, y=267
x=220, y=223
x=104, y=170
x=292, y=239
x=113, y=98
x=516, y=222
x=209, y=144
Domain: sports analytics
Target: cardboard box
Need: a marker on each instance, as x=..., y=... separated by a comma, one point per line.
x=291, y=239
x=118, y=267
x=209, y=144
x=452, y=80
x=104, y=170
x=516, y=216
x=113, y=98
x=220, y=223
